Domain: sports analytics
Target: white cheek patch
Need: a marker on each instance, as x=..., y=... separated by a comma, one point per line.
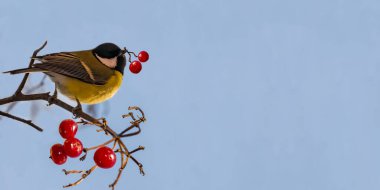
x=111, y=63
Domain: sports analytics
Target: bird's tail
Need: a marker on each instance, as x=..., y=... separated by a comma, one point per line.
x=25, y=70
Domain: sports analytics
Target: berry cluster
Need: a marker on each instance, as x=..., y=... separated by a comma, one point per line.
x=104, y=157
x=136, y=66
x=72, y=147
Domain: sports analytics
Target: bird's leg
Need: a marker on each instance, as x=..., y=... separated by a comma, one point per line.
x=77, y=109
x=53, y=97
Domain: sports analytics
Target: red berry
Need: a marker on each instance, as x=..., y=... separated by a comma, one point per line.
x=68, y=128
x=143, y=56
x=57, y=154
x=135, y=67
x=73, y=147
x=105, y=157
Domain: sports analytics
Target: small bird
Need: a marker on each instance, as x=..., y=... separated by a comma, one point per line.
x=89, y=76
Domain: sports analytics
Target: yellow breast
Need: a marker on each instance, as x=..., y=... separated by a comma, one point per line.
x=88, y=93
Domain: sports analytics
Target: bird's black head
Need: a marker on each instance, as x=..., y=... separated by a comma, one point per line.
x=107, y=50
x=110, y=51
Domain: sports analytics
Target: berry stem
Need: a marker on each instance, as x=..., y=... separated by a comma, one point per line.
x=129, y=155
x=129, y=54
x=123, y=163
x=104, y=144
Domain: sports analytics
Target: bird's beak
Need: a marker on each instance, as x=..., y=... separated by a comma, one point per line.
x=123, y=51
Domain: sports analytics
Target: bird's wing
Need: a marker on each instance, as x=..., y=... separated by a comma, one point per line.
x=69, y=64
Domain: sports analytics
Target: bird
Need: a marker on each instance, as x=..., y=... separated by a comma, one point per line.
x=88, y=76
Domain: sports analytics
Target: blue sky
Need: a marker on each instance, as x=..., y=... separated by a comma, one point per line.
x=262, y=95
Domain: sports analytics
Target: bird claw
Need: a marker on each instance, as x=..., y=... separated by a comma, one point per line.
x=77, y=109
x=52, y=98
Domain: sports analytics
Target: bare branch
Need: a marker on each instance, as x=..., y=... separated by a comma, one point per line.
x=28, y=91
x=28, y=122
x=26, y=75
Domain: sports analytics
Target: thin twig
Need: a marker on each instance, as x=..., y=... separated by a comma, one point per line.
x=137, y=149
x=85, y=150
x=26, y=75
x=28, y=122
x=87, y=173
x=123, y=163
x=129, y=155
x=67, y=172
